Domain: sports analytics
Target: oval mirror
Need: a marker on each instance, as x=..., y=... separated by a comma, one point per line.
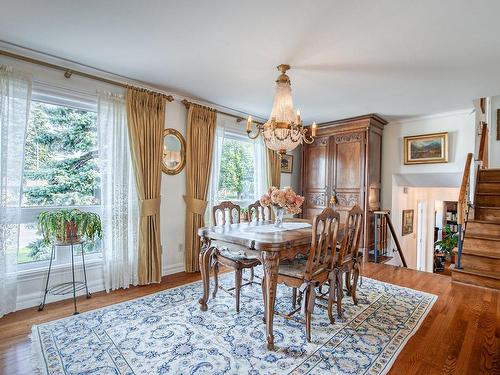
x=174, y=151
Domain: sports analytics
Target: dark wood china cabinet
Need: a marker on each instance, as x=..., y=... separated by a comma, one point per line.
x=343, y=164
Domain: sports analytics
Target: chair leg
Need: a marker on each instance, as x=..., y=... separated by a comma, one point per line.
x=355, y=283
x=251, y=275
x=294, y=297
x=340, y=293
x=263, y=286
x=348, y=282
x=331, y=297
x=216, y=279
x=308, y=296
x=237, y=287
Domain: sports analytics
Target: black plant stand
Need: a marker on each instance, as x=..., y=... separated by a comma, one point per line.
x=69, y=287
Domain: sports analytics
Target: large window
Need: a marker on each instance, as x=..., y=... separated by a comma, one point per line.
x=60, y=171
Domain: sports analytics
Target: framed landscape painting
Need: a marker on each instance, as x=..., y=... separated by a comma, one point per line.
x=407, y=226
x=425, y=149
x=287, y=164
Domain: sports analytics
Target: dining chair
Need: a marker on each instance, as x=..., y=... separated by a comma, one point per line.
x=261, y=212
x=348, y=260
x=229, y=213
x=306, y=274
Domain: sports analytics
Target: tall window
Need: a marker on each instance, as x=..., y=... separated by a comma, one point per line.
x=60, y=171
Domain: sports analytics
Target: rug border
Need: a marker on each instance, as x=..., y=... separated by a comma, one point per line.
x=38, y=358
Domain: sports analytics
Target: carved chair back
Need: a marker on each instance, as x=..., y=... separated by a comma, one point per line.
x=352, y=235
x=261, y=212
x=324, y=238
x=228, y=208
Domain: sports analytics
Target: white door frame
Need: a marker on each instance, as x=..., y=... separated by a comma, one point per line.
x=421, y=234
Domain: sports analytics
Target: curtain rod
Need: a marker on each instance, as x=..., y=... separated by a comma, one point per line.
x=187, y=103
x=68, y=72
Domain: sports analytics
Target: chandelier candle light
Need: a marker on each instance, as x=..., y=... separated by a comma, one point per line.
x=284, y=130
x=282, y=200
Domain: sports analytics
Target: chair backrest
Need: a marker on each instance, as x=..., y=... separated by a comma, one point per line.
x=324, y=239
x=353, y=228
x=223, y=207
x=261, y=212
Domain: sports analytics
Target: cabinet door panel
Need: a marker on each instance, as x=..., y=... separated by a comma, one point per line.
x=315, y=161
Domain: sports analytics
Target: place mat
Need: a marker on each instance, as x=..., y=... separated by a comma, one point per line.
x=271, y=228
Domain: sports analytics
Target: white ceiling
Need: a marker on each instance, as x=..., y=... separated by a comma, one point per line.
x=397, y=58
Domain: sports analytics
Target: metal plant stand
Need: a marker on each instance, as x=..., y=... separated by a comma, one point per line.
x=68, y=287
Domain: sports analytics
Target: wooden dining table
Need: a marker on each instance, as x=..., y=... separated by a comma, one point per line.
x=256, y=239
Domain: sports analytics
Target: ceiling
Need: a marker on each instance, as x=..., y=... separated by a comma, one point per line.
x=397, y=58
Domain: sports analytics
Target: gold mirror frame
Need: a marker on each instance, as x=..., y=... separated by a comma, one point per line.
x=180, y=138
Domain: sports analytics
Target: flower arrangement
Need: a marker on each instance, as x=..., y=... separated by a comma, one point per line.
x=285, y=199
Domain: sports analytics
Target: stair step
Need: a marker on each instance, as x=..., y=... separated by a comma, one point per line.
x=481, y=242
x=491, y=214
x=482, y=278
x=481, y=252
x=488, y=187
x=488, y=199
x=480, y=263
x=483, y=228
x=486, y=175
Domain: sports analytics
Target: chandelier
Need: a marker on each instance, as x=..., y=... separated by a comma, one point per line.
x=284, y=130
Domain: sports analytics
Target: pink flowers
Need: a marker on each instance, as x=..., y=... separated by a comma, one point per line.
x=285, y=198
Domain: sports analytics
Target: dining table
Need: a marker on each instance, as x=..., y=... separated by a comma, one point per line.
x=256, y=239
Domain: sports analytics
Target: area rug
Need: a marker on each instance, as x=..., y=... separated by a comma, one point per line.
x=166, y=333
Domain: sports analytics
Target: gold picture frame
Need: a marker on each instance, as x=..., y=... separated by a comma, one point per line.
x=287, y=164
x=426, y=148
x=174, y=152
x=407, y=222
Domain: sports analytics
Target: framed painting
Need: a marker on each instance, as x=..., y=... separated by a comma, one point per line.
x=426, y=148
x=287, y=164
x=407, y=222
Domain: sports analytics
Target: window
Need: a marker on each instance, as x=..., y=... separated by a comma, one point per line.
x=60, y=171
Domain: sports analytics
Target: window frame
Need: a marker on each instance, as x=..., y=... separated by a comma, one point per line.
x=43, y=93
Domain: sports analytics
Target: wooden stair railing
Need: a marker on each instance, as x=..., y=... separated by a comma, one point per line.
x=387, y=216
x=465, y=198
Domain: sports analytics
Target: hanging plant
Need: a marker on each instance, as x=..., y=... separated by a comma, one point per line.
x=66, y=226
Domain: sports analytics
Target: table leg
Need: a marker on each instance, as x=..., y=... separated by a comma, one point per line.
x=204, y=260
x=270, y=263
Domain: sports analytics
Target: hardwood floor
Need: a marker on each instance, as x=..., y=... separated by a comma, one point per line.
x=459, y=336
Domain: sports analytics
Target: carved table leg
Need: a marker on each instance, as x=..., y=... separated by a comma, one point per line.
x=270, y=262
x=205, y=259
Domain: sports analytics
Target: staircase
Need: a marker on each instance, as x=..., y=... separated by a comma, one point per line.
x=480, y=260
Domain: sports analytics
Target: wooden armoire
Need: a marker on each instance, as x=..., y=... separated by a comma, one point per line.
x=344, y=161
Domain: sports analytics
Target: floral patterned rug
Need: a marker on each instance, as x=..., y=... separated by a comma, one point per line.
x=166, y=333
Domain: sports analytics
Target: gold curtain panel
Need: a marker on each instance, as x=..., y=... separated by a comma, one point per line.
x=146, y=119
x=200, y=131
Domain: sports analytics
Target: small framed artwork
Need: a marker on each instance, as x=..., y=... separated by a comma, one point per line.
x=498, y=124
x=287, y=164
x=407, y=222
x=426, y=148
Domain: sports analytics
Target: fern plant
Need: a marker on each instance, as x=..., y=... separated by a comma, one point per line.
x=449, y=241
x=69, y=226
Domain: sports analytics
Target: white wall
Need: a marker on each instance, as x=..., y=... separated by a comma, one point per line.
x=494, y=144
x=461, y=136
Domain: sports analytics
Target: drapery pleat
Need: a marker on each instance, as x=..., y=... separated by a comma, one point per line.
x=273, y=168
x=119, y=205
x=146, y=119
x=201, y=125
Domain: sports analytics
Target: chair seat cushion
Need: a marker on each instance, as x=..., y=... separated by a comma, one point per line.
x=297, y=267
x=236, y=256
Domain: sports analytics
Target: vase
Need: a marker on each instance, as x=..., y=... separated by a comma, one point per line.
x=278, y=216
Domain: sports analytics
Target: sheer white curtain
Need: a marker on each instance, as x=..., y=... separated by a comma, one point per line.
x=15, y=98
x=214, y=178
x=260, y=170
x=119, y=196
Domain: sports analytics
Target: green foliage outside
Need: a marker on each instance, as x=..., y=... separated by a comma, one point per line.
x=60, y=164
x=236, y=170
x=449, y=241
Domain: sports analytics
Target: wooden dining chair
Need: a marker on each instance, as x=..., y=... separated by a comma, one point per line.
x=230, y=257
x=306, y=274
x=261, y=212
x=348, y=260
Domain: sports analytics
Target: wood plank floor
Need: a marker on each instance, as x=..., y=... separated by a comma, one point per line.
x=459, y=336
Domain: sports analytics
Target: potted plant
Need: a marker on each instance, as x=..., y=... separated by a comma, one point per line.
x=448, y=242
x=69, y=226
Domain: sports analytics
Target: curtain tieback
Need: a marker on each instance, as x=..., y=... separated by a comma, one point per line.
x=197, y=206
x=150, y=207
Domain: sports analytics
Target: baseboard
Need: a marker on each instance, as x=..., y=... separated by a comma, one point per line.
x=169, y=269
